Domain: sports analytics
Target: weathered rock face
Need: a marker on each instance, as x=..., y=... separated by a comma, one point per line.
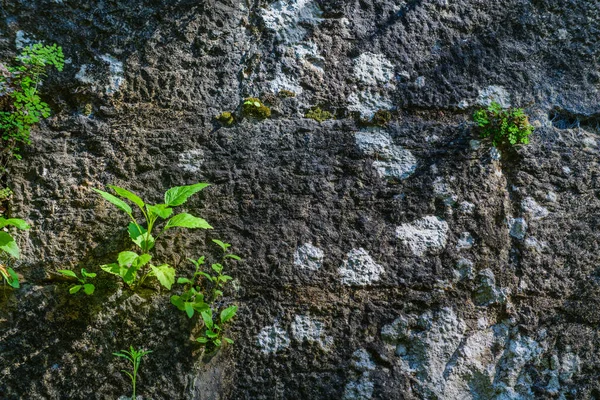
x=402, y=262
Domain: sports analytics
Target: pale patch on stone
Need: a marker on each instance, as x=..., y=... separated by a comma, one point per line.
x=551, y=197
x=393, y=162
x=361, y=361
x=361, y=389
x=533, y=209
x=464, y=270
x=566, y=170
x=282, y=81
x=466, y=207
x=373, y=69
x=359, y=269
x=191, y=160
x=272, y=339
x=494, y=94
x=420, y=82
x=113, y=79
x=309, y=56
x=22, y=40
x=487, y=291
x=368, y=102
x=495, y=154
x=83, y=74
x=533, y=243
x=429, y=233
x=308, y=257
x=307, y=329
x=288, y=18
x=465, y=241
x=517, y=227
x=442, y=190
x=115, y=76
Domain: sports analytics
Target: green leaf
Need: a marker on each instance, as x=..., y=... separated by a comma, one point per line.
x=182, y=281
x=221, y=244
x=8, y=244
x=126, y=258
x=202, y=340
x=217, y=268
x=13, y=279
x=207, y=318
x=67, y=272
x=177, y=302
x=233, y=256
x=75, y=289
x=217, y=342
x=211, y=334
x=164, y=274
x=230, y=341
x=88, y=288
x=162, y=210
x=86, y=274
x=19, y=223
x=140, y=237
x=114, y=200
x=189, y=309
x=178, y=195
x=186, y=220
x=228, y=313
x=128, y=195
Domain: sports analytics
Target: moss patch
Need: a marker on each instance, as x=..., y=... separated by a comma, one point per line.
x=255, y=108
x=318, y=115
x=226, y=118
x=286, y=93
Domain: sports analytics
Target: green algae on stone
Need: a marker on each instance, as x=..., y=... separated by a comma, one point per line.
x=226, y=118
x=255, y=108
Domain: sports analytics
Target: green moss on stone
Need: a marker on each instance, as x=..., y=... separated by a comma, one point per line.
x=318, y=115
x=286, y=93
x=226, y=118
x=255, y=108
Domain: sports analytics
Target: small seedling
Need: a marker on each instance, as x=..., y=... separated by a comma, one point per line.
x=214, y=331
x=9, y=247
x=134, y=268
x=135, y=357
x=88, y=288
x=253, y=107
x=505, y=127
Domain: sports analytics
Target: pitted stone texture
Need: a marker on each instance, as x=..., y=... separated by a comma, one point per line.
x=393, y=162
x=360, y=389
x=429, y=233
x=373, y=69
x=359, y=269
x=465, y=241
x=494, y=94
x=272, y=339
x=287, y=18
x=517, y=228
x=487, y=292
x=533, y=209
x=367, y=102
x=311, y=330
x=191, y=160
x=308, y=257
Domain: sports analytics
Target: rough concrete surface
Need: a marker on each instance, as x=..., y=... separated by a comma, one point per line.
x=406, y=261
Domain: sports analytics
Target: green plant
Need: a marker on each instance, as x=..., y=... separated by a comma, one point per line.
x=22, y=107
x=135, y=357
x=130, y=263
x=253, y=107
x=88, y=288
x=5, y=194
x=9, y=247
x=318, y=115
x=505, y=127
x=226, y=118
x=198, y=296
x=214, y=331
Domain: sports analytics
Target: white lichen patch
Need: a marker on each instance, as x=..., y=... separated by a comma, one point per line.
x=368, y=102
x=465, y=241
x=361, y=361
x=444, y=191
x=360, y=389
x=287, y=18
x=310, y=57
x=22, y=40
x=283, y=81
x=110, y=76
x=307, y=329
x=115, y=75
x=191, y=160
x=466, y=207
x=272, y=339
x=533, y=209
x=373, y=69
x=494, y=94
x=308, y=257
x=359, y=269
x=429, y=233
x=517, y=227
x=393, y=162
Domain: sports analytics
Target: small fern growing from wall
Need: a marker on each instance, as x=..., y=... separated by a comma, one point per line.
x=504, y=127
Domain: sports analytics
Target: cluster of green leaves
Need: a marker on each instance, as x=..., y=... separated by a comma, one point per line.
x=135, y=358
x=253, y=107
x=505, y=127
x=135, y=267
x=9, y=247
x=87, y=287
x=201, y=293
x=21, y=83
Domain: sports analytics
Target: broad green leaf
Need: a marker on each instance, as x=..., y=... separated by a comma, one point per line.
x=75, y=289
x=128, y=195
x=202, y=340
x=8, y=244
x=141, y=237
x=211, y=334
x=189, y=309
x=88, y=288
x=164, y=274
x=201, y=306
x=178, y=195
x=217, y=342
x=13, y=279
x=228, y=313
x=207, y=318
x=183, y=281
x=142, y=260
x=162, y=210
x=225, y=278
x=86, y=274
x=114, y=200
x=126, y=258
x=67, y=272
x=217, y=268
x=186, y=220
x=207, y=276
x=221, y=244
x=114, y=269
x=218, y=293
x=19, y=223
x=177, y=302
